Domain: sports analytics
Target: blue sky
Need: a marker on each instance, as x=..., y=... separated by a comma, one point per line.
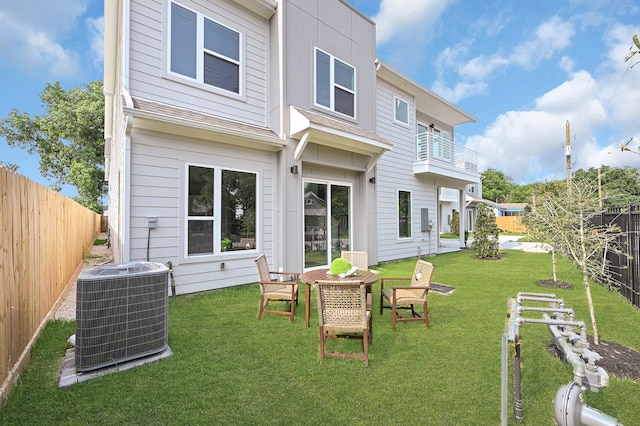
x=522, y=68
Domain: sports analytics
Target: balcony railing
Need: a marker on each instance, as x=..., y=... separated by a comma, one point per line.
x=436, y=149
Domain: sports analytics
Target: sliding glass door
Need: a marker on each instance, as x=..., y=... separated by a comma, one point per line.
x=327, y=221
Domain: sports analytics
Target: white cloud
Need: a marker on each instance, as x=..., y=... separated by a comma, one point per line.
x=406, y=19
x=550, y=37
x=528, y=145
x=96, y=33
x=32, y=36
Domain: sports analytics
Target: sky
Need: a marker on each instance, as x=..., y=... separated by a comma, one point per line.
x=523, y=69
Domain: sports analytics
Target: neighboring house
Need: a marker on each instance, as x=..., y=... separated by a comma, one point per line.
x=273, y=125
x=506, y=209
x=449, y=202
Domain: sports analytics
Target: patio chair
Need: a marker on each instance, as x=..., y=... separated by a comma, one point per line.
x=342, y=312
x=276, y=286
x=359, y=259
x=402, y=297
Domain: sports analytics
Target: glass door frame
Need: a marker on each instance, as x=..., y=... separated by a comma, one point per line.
x=309, y=246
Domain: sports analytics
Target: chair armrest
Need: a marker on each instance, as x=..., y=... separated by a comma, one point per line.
x=382, y=280
x=296, y=275
x=411, y=287
x=292, y=283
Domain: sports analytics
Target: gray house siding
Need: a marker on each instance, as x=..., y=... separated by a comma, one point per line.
x=394, y=173
x=158, y=189
x=271, y=126
x=150, y=80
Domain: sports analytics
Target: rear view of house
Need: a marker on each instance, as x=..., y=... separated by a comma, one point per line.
x=240, y=127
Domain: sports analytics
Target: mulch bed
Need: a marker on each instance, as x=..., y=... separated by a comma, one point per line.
x=617, y=360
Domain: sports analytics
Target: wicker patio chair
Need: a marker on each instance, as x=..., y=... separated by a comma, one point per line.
x=342, y=312
x=401, y=297
x=359, y=259
x=272, y=288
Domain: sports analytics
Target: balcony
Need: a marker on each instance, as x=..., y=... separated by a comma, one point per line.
x=441, y=156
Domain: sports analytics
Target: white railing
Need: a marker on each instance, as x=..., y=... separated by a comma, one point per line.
x=435, y=148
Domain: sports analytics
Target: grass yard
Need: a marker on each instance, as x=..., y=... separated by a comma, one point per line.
x=229, y=368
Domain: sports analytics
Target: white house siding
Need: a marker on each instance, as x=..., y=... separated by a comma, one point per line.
x=149, y=79
x=158, y=164
x=394, y=173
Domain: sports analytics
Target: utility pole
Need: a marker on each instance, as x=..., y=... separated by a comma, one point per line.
x=567, y=154
x=567, y=151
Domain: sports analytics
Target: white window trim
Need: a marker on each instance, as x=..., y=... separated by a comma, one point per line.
x=397, y=99
x=333, y=84
x=217, y=213
x=410, y=237
x=199, y=80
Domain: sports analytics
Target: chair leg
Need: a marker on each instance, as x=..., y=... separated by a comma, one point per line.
x=261, y=306
x=365, y=343
x=381, y=303
x=322, y=336
x=393, y=315
x=293, y=310
x=426, y=314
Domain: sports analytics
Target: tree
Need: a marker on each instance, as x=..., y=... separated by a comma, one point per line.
x=455, y=222
x=568, y=219
x=620, y=186
x=69, y=139
x=11, y=166
x=496, y=186
x=485, y=241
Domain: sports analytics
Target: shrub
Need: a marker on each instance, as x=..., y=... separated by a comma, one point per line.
x=485, y=241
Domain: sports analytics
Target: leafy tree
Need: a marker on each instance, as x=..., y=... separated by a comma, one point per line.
x=620, y=186
x=485, y=241
x=496, y=186
x=455, y=222
x=567, y=218
x=69, y=139
x=11, y=166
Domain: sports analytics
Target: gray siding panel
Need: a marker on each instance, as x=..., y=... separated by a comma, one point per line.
x=394, y=173
x=149, y=80
x=158, y=164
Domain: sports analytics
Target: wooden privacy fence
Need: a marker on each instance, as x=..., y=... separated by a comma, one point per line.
x=626, y=269
x=44, y=235
x=510, y=224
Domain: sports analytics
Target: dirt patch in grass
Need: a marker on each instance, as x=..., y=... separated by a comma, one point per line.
x=555, y=284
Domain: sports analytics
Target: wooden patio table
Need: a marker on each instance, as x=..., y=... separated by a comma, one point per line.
x=310, y=278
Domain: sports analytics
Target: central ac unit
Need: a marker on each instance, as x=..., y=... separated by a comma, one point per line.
x=121, y=314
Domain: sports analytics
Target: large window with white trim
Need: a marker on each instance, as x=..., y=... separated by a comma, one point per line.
x=335, y=84
x=221, y=210
x=404, y=214
x=204, y=50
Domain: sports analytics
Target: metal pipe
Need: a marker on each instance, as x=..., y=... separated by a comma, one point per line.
x=568, y=311
x=517, y=386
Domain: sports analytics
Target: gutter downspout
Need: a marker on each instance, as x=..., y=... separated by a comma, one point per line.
x=126, y=190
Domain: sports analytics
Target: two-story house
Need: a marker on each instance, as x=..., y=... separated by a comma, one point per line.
x=237, y=127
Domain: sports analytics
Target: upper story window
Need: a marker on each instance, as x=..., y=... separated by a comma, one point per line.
x=204, y=50
x=335, y=84
x=401, y=110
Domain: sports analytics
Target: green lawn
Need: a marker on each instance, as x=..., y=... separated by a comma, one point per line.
x=229, y=368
